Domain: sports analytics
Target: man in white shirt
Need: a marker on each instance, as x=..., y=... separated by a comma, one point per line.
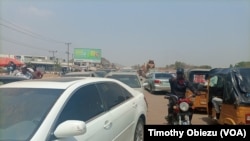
x=217, y=98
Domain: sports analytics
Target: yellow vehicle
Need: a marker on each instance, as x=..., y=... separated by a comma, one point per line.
x=199, y=79
x=234, y=86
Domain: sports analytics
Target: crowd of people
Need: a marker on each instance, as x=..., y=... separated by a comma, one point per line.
x=24, y=71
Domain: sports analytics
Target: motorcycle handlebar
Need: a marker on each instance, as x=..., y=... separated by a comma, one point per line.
x=168, y=95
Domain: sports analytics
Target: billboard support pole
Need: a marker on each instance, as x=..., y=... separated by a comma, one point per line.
x=68, y=53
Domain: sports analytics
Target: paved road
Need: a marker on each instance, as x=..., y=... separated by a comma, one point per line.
x=157, y=110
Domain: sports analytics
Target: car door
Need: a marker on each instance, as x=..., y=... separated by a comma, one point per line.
x=86, y=105
x=122, y=108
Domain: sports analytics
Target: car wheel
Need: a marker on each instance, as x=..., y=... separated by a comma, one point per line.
x=139, y=131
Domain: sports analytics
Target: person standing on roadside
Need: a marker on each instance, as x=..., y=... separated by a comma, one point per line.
x=11, y=67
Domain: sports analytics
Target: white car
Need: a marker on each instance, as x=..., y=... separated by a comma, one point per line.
x=81, y=74
x=72, y=109
x=132, y=79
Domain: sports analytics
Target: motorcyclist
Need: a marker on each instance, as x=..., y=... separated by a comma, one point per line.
x=178, y=87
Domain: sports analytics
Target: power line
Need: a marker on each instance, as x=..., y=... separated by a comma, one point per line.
x=27, y=32
x=53, y=52
x=23, y=44
x=22, y=30
x=27, y=45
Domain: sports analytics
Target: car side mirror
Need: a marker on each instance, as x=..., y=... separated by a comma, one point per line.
x=70, y=128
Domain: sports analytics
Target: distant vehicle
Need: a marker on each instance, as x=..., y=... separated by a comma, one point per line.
x=100, y=73
x=157, y=81
x=173, y=74
x=132, y=79
x=81, y=74
x=9, y=78
x=71, y=108
x=127, y=69
x=107, y=70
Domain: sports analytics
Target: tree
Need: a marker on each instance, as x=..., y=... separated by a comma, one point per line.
x=204, y=67
x=243, y=64
x=180, y=64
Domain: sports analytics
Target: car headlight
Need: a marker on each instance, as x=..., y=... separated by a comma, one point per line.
x=184, y=106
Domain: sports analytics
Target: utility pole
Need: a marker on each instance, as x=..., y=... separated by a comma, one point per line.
x=53, y=52
x=68, y=53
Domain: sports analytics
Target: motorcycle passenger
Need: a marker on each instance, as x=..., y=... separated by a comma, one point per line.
x=178, y=88
x=217, y=100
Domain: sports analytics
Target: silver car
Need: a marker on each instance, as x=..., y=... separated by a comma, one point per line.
x=157, y=81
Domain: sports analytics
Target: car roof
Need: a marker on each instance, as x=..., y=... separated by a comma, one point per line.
x=100, y=71
x=12, y=77
x=121, y=73
x=54, y=83
x=81, y=72
x=206, y=70
x=160, y=72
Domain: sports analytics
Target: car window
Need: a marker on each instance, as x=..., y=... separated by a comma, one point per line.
x=22, y=110
x=126, y=93
x=113, y=94
x=101, y=73
x=163, y=75
x=84, y=104
x=131, y=80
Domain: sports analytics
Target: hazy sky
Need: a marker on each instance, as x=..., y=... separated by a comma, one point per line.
x=196, y=32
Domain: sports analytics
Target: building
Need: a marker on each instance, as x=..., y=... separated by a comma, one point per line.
x=44, y=63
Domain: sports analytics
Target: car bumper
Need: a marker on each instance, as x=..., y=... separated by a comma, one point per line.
x=161, y=88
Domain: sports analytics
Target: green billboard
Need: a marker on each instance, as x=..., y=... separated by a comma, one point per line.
x=87, y=55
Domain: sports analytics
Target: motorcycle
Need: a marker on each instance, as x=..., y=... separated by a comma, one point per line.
x=180, y=110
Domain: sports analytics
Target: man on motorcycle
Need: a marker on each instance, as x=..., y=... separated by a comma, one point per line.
x=178, y=88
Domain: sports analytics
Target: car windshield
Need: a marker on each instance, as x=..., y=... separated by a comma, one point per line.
x=130, y=80
x=198, y=76
x=163, y=75
x=101, y=73
x=22, y=111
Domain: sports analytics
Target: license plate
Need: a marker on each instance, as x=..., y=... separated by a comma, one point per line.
x=165, y=84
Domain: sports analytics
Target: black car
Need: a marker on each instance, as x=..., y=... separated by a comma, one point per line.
x=9, y=78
